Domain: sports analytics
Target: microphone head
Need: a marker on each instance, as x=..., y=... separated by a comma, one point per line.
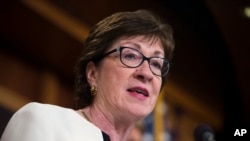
x=204, y=133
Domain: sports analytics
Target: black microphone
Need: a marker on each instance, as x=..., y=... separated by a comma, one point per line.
x=204, y=133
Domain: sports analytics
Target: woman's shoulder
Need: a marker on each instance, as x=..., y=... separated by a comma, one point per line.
x=38, y=121
x=45, y=111
x=35, y=108
x=65, y=119
x=52, y=114
x=41, y=106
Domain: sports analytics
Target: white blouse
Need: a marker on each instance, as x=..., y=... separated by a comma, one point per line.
x=45, y=122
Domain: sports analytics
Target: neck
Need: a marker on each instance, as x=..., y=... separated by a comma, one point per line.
x=117, y=128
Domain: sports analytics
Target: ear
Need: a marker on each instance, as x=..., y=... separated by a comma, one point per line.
x=91, y=73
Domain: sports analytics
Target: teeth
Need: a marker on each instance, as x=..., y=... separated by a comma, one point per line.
x=140, y=91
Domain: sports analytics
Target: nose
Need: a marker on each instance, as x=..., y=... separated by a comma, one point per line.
x=143, y=72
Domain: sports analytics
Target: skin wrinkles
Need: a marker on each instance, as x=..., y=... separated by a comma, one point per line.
x=114, y=93
x=137, y=45
x=111, y=96
x=139, y=48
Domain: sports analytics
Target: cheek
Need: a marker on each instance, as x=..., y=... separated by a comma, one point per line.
x=157, y=85
x=113, y=69
x=112, y=82
x=112, y=76
x=156, y=90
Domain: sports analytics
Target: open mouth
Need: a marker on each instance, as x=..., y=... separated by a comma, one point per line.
x=140, y=91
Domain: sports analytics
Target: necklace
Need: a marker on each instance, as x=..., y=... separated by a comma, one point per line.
x=85, y=115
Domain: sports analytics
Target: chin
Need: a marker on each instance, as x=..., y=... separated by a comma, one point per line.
x=141, y=114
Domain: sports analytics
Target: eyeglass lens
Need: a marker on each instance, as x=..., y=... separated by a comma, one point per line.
x=133, y=58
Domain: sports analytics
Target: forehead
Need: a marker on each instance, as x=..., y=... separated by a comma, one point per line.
x=140, y=40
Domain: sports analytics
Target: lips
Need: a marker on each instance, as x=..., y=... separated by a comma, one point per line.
x=139, y=90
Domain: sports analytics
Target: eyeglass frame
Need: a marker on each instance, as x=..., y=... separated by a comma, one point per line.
x=119, y=49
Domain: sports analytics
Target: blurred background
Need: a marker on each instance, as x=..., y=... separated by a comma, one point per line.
x=40, y=41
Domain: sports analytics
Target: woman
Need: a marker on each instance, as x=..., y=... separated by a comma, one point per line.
x=119, y=76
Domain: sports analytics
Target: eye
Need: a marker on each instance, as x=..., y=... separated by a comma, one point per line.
x=156, y=63
x=130, y=56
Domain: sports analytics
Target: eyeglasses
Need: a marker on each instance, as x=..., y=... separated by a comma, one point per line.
x=133, y=58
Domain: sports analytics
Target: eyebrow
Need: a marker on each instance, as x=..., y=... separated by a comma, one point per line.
x=137, y=46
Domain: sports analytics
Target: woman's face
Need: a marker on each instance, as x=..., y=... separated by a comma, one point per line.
x=128, y=92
